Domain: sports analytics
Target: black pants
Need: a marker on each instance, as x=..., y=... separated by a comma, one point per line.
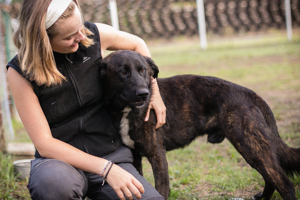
x=57, y=180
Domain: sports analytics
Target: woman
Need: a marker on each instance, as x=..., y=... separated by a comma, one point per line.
x=56, y=86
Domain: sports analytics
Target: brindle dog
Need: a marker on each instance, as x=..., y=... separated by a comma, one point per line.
x=196, y=105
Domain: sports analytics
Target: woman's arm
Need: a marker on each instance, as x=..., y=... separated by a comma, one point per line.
x=112, y=39
x=39, y=132
x=158, y=105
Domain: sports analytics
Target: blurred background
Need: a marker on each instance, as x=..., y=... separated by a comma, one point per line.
x=254, y=43
x=152, y=19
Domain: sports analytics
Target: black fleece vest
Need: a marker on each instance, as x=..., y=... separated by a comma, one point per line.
x=75, y=109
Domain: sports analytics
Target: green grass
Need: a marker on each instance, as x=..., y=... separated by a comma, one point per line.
x=7, y=178
x=10, y=186
x=20, y=132
x=267, y=64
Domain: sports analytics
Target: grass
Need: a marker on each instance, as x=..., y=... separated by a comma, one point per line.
x=267, y=64
x=7, y=178
x=10, y=186
x=20, y=132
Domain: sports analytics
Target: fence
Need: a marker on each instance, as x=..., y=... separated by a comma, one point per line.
x=168, y=18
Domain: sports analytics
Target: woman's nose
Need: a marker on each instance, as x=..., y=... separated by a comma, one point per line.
x=80, y=36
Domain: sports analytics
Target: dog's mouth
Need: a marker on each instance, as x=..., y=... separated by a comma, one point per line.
x=132, y=103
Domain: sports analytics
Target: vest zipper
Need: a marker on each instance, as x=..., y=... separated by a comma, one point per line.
x=74, y=83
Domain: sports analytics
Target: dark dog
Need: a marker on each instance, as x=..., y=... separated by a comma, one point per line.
x=196, y=105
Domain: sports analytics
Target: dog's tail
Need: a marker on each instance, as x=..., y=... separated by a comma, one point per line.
x=289, y=158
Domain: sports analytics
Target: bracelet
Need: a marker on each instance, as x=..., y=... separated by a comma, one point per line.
x=107, y=164
x=104, y=179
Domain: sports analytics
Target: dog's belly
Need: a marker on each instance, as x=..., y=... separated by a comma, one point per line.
x=124, y=128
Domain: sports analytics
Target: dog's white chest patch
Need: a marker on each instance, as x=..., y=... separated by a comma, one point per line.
x=124, y=128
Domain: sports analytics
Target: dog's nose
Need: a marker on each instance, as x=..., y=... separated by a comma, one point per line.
x=142, y=94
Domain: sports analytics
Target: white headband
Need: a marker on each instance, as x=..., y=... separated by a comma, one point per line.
x=55, y=10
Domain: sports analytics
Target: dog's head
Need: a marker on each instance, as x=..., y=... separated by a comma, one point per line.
x=127, y=78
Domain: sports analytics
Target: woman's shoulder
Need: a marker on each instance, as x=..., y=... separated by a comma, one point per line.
x=15, y=64
x=93, y=28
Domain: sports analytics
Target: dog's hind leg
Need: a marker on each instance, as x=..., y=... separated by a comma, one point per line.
x=275, y=179
x=267, y=193
x=253, y=139
x=267, y=165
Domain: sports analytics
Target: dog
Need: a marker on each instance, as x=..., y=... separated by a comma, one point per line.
x=196, y=106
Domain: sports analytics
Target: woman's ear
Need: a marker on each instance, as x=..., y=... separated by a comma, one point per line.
x=152, y=67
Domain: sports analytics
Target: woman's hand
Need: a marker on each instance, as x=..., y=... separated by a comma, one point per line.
x=158, y=105
x=124, y=183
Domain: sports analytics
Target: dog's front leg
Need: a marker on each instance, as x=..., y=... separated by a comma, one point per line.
x=160, y=171
x=137, y=161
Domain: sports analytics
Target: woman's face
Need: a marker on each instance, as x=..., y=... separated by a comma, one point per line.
x=68, y=34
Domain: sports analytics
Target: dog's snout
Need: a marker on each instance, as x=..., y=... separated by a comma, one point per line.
x=142, y=93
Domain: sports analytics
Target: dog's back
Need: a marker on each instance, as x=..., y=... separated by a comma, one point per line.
x=198, y=101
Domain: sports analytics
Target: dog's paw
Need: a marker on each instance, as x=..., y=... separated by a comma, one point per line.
x=258, y=196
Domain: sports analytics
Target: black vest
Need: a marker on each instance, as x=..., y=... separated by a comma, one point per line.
x=75, y=109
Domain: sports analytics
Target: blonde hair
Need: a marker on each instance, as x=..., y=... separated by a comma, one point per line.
x=33, y=42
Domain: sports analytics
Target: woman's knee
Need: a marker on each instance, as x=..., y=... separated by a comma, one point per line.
x=54, y=179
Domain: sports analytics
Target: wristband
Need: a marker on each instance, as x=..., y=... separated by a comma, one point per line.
x=103, y=171
x=104, y=179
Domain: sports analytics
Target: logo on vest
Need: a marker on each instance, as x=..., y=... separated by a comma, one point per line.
x=86, y=59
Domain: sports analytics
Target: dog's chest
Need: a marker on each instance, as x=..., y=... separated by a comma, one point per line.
x=124, y=128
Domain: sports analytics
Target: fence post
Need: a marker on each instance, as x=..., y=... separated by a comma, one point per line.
x=2, y=138
x=288, y=19
x=5, y=110
x=201, y=24
x=7, y=34
x=114, y=14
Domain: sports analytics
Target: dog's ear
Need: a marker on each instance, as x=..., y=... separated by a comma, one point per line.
x=153, y=68
x=103, y=67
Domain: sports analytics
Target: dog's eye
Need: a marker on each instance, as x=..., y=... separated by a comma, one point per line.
x=124, y=72
x=142, y=71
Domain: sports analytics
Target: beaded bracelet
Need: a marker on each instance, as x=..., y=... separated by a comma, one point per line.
x=104, y=179
x=103, y=171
